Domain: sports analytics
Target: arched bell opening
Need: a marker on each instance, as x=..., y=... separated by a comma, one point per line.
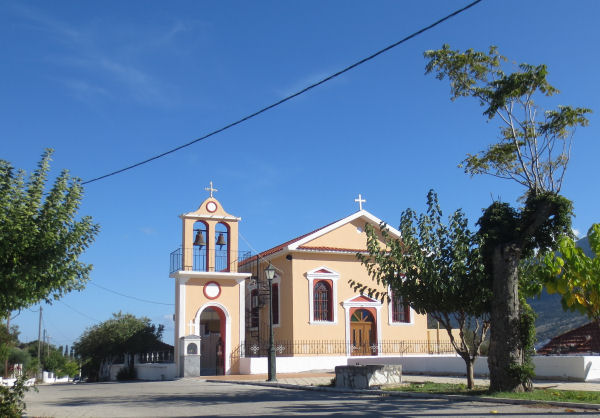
x=222, y=245
x=200, y=250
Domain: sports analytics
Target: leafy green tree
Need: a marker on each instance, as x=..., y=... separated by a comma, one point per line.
x=9, y=338
x=533, y=149
x=70, y=368
x=11, y=399
x=16, y=356
x=439, y=270
x=55, y=362
x=574, y=275
x=40, y=237
x=101, y=344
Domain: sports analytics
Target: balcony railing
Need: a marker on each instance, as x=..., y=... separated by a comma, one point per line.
x=197, y=260
x=341, y=347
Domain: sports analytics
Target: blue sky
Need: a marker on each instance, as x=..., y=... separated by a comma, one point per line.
x=107, y=84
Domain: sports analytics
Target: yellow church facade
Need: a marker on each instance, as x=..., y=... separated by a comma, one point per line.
x=224, y=302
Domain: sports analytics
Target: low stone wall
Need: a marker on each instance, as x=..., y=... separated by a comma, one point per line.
x=258, y=365
x=367, y=376
x=577, y=368
x=148, y=371
x=156, y=371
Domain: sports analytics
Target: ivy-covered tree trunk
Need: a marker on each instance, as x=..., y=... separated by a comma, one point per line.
x=505, y=345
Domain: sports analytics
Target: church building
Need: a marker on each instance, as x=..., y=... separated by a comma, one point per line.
x=224, y=302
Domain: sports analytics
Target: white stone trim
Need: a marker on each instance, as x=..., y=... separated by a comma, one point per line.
x=181, y=283
x=373, y=303
x=392, y=323
x=189, y=274
x=227, y=352
x=191, y=215
x=242, y=312
x=360, y=214
x=311, y=276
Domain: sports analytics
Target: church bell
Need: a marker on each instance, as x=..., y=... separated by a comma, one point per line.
x=199, y=241
x=221, y=241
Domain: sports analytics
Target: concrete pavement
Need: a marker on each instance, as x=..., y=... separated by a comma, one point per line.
x=324, y=378
x=198, y=397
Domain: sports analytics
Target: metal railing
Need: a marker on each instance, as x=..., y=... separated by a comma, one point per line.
x=197, y=259
x=341, y=347
x=156, y=357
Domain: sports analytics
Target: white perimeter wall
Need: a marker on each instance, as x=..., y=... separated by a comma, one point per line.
x=148, y=371
x=579, y=368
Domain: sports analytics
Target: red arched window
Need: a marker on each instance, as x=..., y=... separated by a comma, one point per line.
x=275, y=290
x=322, y=299
x=254, y=308
x=400, y=309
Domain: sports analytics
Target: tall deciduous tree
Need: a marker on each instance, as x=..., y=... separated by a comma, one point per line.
x=439, y=270
x=534, y=149
x=99, y=345
x=41, y=238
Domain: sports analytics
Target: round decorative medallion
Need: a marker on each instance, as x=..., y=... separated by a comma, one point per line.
x=211, y=206
x=212, y=290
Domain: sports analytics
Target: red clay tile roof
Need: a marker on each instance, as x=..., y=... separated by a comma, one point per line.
x=332, y=249
x=582, y=340
x=282, y=246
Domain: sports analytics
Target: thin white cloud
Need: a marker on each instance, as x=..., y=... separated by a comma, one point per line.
x=83, y=90
x=146, y=230
x=106, y=74
x=307, y=81
x=576, y=232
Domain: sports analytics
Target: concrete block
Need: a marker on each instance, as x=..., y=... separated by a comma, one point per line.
x=367, y=376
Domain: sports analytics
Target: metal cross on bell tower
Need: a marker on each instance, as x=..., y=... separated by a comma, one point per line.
x=211, y=189
x=360, y=201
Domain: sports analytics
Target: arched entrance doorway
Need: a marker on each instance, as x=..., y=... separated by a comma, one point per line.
x=362, y=333
x=212, y=343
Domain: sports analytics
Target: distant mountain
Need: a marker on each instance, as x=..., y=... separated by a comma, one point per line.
x=552, y=319
x=584, y=244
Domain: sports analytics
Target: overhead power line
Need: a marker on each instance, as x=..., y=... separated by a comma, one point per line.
x=131, y=297
x=304, y=90
x=79, y=312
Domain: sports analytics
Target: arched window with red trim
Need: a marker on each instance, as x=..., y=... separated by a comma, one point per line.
x=400, y=309
x=322, y=301
x=254, y=308
x=275, y=307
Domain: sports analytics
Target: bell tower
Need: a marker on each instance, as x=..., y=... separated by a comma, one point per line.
x=210, y=238
x=209, y=291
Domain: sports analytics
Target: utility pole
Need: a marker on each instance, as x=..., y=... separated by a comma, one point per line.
x=7, y=333
x=40, y=337
x=43, y=342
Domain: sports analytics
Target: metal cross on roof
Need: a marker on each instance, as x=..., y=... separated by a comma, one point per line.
x=360, y=201
x=211, y=189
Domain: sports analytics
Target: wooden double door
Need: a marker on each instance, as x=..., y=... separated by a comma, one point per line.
x=362, y=333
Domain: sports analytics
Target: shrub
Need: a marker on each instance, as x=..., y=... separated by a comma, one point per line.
x=11, y=399
x=127, y=373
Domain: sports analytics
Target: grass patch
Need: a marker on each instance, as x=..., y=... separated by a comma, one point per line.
x=553, y=395
x=542, y=395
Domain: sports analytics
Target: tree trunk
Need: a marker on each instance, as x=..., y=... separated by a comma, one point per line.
x=505, y=346
x=596, y=341
x=470, y=373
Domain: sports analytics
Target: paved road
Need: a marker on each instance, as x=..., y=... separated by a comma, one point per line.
x=194, y=397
